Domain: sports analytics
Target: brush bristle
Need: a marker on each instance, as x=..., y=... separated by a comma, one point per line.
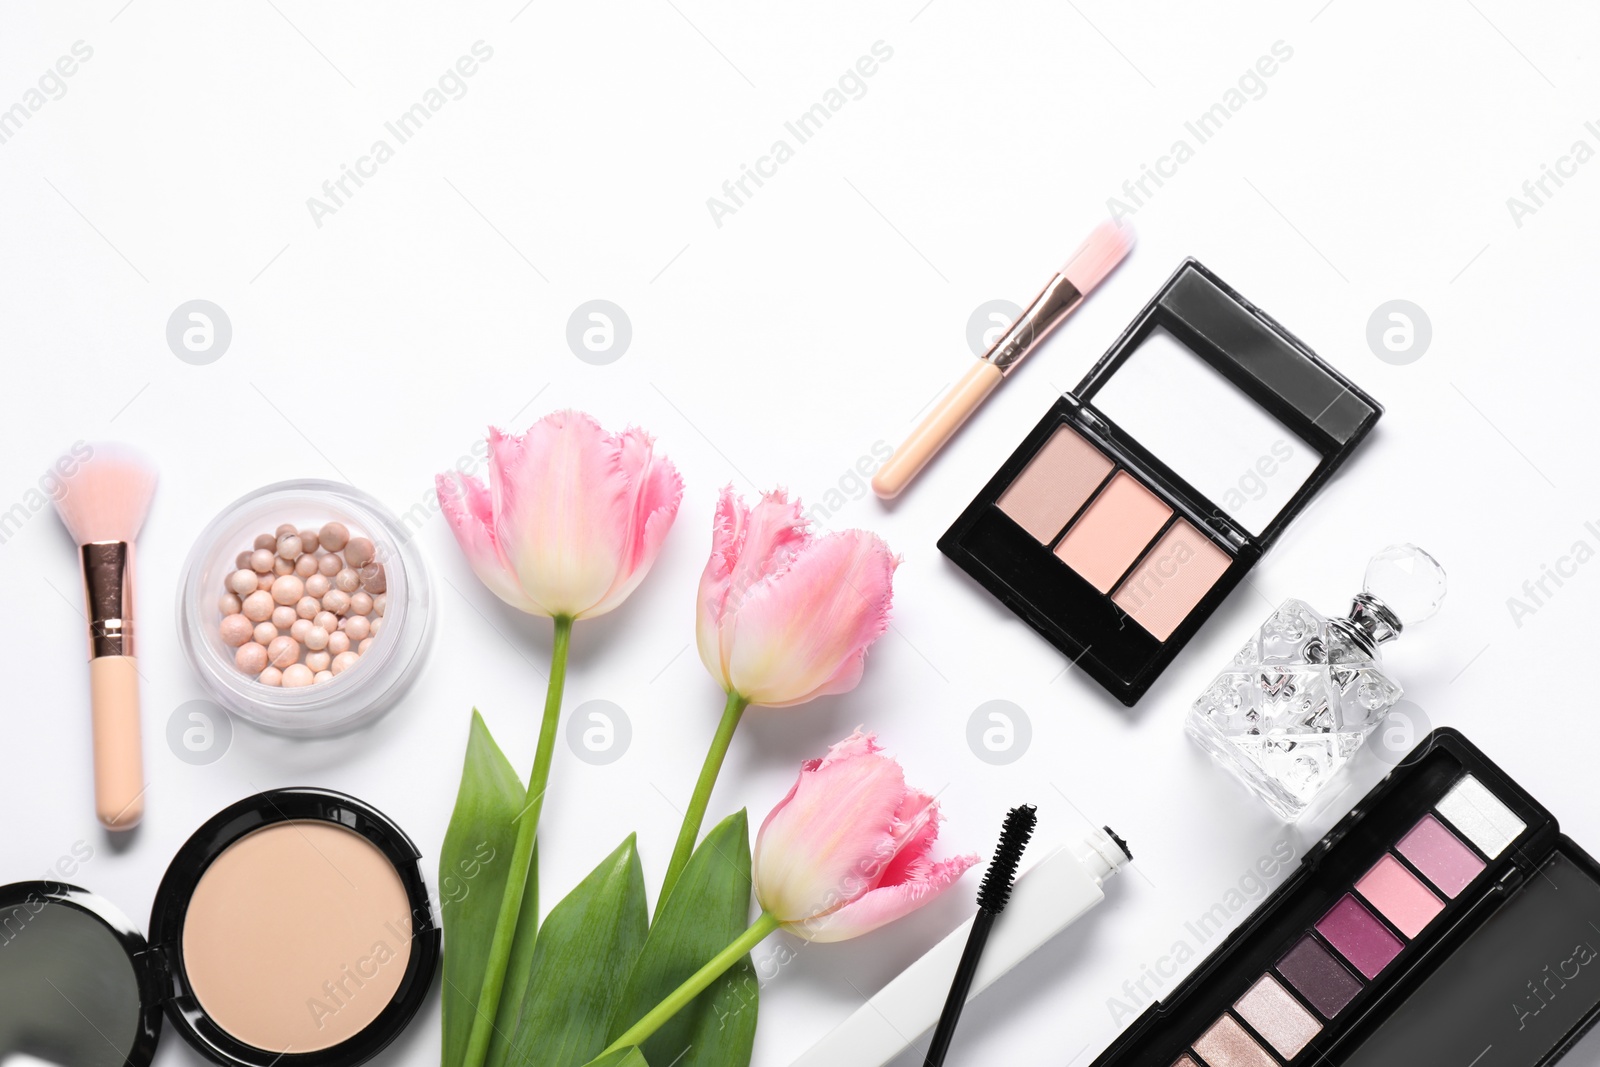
x=995, y=889
x=108, y=496
x=1098, y=256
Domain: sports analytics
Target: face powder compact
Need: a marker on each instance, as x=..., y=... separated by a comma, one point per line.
x=294, y=927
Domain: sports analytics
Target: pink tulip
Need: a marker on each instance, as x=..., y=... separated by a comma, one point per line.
x=848, y=849
x=567, y=527
x=785, y=616
x=572, y=516
x=844, y=853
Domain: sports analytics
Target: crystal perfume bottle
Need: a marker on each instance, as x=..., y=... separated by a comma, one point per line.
x=1306, y=690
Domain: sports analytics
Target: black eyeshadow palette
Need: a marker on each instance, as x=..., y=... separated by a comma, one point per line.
x=1444, y=920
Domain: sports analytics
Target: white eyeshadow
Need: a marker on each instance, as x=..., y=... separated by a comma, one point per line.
x=1481, y=817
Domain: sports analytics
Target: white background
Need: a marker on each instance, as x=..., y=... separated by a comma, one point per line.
x=780, y=349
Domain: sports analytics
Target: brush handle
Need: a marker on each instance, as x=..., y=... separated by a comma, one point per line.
x=960, y=989
x=118, y=745
x=938, y=427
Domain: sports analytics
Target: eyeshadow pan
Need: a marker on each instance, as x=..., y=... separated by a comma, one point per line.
x=1054, y=484
x=1111, y=534
x=1481, y=817
x=1440, y=855
x=1318, y=977
x=1173, y=577
x=1227, y=1044
x=1359, y=936
x=1278, y=1017
x=1399, y=896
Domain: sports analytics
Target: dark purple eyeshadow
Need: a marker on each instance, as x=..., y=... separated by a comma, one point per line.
x=1359, y=936
x=1318, y=977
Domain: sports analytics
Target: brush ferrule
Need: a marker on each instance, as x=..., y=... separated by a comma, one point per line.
x=1054, y=302
x=108, y=591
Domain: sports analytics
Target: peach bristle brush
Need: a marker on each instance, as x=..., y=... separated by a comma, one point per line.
x=103, y=506
x=1095, y=258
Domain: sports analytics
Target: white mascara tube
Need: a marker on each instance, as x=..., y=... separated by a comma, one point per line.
x=1046, y=899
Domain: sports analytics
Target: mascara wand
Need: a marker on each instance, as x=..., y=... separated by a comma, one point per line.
x=993, y=893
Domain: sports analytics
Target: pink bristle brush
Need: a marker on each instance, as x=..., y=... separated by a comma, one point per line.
x=103, y=506
x=1063, y=293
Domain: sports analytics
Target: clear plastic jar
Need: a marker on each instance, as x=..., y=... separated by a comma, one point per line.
x=362, y=692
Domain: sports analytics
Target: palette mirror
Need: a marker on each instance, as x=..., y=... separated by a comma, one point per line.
x=1212, y=435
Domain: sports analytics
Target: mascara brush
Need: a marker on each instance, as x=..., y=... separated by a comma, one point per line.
x=1049, y=896
x=993, y=893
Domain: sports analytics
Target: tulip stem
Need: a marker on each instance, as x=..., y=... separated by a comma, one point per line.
x=696, y=983
x=696, y=815
x=505, y=925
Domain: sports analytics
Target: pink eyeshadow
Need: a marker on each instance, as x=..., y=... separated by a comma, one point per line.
x=1054, y=485
x=1172, y=578
x=1116, y=528
x=1359, y=936
x=1399, y=896
x=1439, y=854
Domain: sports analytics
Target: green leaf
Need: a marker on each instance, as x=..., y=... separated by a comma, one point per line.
x=473, y=863
x=623, y=1057
x=585, y=952
x=708, y=908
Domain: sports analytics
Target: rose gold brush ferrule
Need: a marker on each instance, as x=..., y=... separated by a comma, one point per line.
x=1053, y=304
x=108, y=589
x=1087, y=268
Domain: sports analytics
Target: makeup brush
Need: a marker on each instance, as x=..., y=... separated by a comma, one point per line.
x=993, y=893
x=1060, y=297
x=103, y=506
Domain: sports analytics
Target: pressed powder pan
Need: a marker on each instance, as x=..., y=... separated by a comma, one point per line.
x=294, y=927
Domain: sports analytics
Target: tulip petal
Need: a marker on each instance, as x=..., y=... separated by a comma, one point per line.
x=830, y=838
x=883, y=905
x=653, y=490
x=804, y=632
x=916, y=829
x=467, y=508
x=559, y=510
x=727, y=537
x=749, y=546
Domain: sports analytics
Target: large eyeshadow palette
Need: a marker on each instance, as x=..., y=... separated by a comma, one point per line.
x=1445, y=920
x=1144, y=496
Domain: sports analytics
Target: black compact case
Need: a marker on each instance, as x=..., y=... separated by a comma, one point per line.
x=1505, y=974
x=80, y=984
x=1102, y=627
